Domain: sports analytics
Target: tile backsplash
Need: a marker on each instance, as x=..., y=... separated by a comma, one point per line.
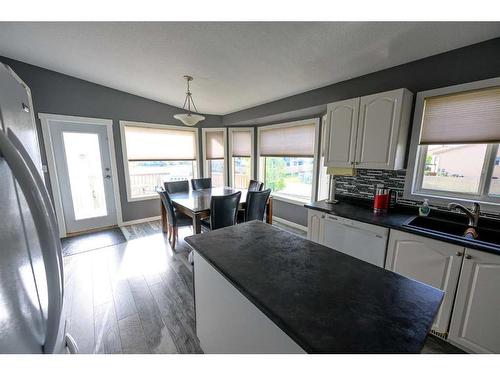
x=363, y=183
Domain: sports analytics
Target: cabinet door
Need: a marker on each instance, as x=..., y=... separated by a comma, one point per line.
x=315, y=225
x=342, y=120
x=378, y=130
x=433, y=262
x=475, y=325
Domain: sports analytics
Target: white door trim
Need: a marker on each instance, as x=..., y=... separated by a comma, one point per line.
x=46, y=120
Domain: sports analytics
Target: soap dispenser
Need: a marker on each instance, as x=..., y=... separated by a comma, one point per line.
x=424, y=209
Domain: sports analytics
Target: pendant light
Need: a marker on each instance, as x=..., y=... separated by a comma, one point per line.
x=189, y=119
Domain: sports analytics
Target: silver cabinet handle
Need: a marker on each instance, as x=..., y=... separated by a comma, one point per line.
x=41, y=209
x=459, y=254
x=468, y=256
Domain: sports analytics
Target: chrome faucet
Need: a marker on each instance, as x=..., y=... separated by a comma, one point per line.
x=472, y=215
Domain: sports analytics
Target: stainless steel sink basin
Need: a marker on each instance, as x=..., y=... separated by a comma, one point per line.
x=488, y=230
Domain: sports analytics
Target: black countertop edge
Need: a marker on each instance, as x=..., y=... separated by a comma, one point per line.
x=395, y=219
x=255, y=301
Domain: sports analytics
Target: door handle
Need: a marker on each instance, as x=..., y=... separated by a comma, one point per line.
x=468, y=256
x=107, y=176
x=41, y=209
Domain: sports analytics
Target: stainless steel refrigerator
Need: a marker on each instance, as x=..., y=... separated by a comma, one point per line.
x=32, y=316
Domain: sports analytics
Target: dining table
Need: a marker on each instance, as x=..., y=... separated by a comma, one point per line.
x=196, y=204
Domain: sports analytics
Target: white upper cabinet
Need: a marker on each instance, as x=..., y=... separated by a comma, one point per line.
x=433, y=262
x=342, y=124
x=475, y=325
x=369, y=132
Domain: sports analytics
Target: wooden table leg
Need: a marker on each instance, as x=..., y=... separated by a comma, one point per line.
x=196, y=223
x=269, y=211
x=164, y=219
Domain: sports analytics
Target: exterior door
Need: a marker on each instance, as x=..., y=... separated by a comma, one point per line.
x=342, y=120
x=84, y=174
x=379, y=119
x=475, y=324
x=433, y=262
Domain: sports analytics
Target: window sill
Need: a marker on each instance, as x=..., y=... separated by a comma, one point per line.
x=290, y=200
x=146, y=198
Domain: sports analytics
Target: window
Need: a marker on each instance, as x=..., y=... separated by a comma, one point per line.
x=154, y=154
x=455, y=149
x=287, y=163
x=214, y=141
x=241, y=162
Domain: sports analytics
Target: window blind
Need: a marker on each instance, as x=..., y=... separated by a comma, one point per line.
x=467, y=117
x=145, y=143
x=295, y=140
x=242, y=143
x=214, y=145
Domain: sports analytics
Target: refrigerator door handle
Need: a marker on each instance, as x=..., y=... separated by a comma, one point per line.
x=41, y=209
x=71, y=344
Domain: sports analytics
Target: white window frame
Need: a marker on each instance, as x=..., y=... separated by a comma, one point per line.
x=124, y=123
x=416, y=157
x=230, y=153
x=321, y=166
x=260, y=165
x=204, y=132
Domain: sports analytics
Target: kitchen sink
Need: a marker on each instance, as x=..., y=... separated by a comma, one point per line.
x=488, y=230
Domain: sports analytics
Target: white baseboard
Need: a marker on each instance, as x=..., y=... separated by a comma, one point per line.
x=289, y=223
x=139, y=221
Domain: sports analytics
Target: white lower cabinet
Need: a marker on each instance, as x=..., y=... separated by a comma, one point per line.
x=433, y=262
x=315, y=226
x=475, y=325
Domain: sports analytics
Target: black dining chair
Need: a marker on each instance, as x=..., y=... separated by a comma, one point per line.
x=255, y=185
x=201, y=183
x=223, y=210
x=256, y=204
x=173, y=187
x=176, y=219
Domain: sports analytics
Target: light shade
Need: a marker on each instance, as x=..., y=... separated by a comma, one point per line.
x=242, y=143
x=189, y=119
x=293, y=141
x=214, y=141
x=146, y=143
x=466, y=117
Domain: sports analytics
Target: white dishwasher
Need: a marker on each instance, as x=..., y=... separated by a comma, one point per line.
x=363, y=241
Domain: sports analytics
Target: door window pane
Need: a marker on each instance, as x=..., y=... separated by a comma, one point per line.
x=216, y=171
x=454, y=168
x=241, y=172
x=83, y=157
x=290, y=177
x=146, y=175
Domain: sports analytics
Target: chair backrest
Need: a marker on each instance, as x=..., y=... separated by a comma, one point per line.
x=167, y=203
x=173, y=187
x=201, y=183
x=255, y=185
x=256, y=204
x=223, y=210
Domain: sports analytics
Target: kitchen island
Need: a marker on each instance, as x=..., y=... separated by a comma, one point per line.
x=259, y=289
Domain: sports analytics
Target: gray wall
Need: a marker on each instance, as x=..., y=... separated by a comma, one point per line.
x=62, y=94
x=471, y=63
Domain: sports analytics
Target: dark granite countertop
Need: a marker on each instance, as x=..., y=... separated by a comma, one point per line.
x=326, y=301
x=396, y=218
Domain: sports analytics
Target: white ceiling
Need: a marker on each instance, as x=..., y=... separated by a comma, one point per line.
x=235, y=65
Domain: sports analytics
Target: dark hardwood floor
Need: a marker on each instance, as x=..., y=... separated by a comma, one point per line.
x=137, y=296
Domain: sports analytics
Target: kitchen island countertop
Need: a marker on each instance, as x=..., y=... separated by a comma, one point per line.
x=324, y=300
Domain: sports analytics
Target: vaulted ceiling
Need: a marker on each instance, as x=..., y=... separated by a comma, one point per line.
x=235, y=65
